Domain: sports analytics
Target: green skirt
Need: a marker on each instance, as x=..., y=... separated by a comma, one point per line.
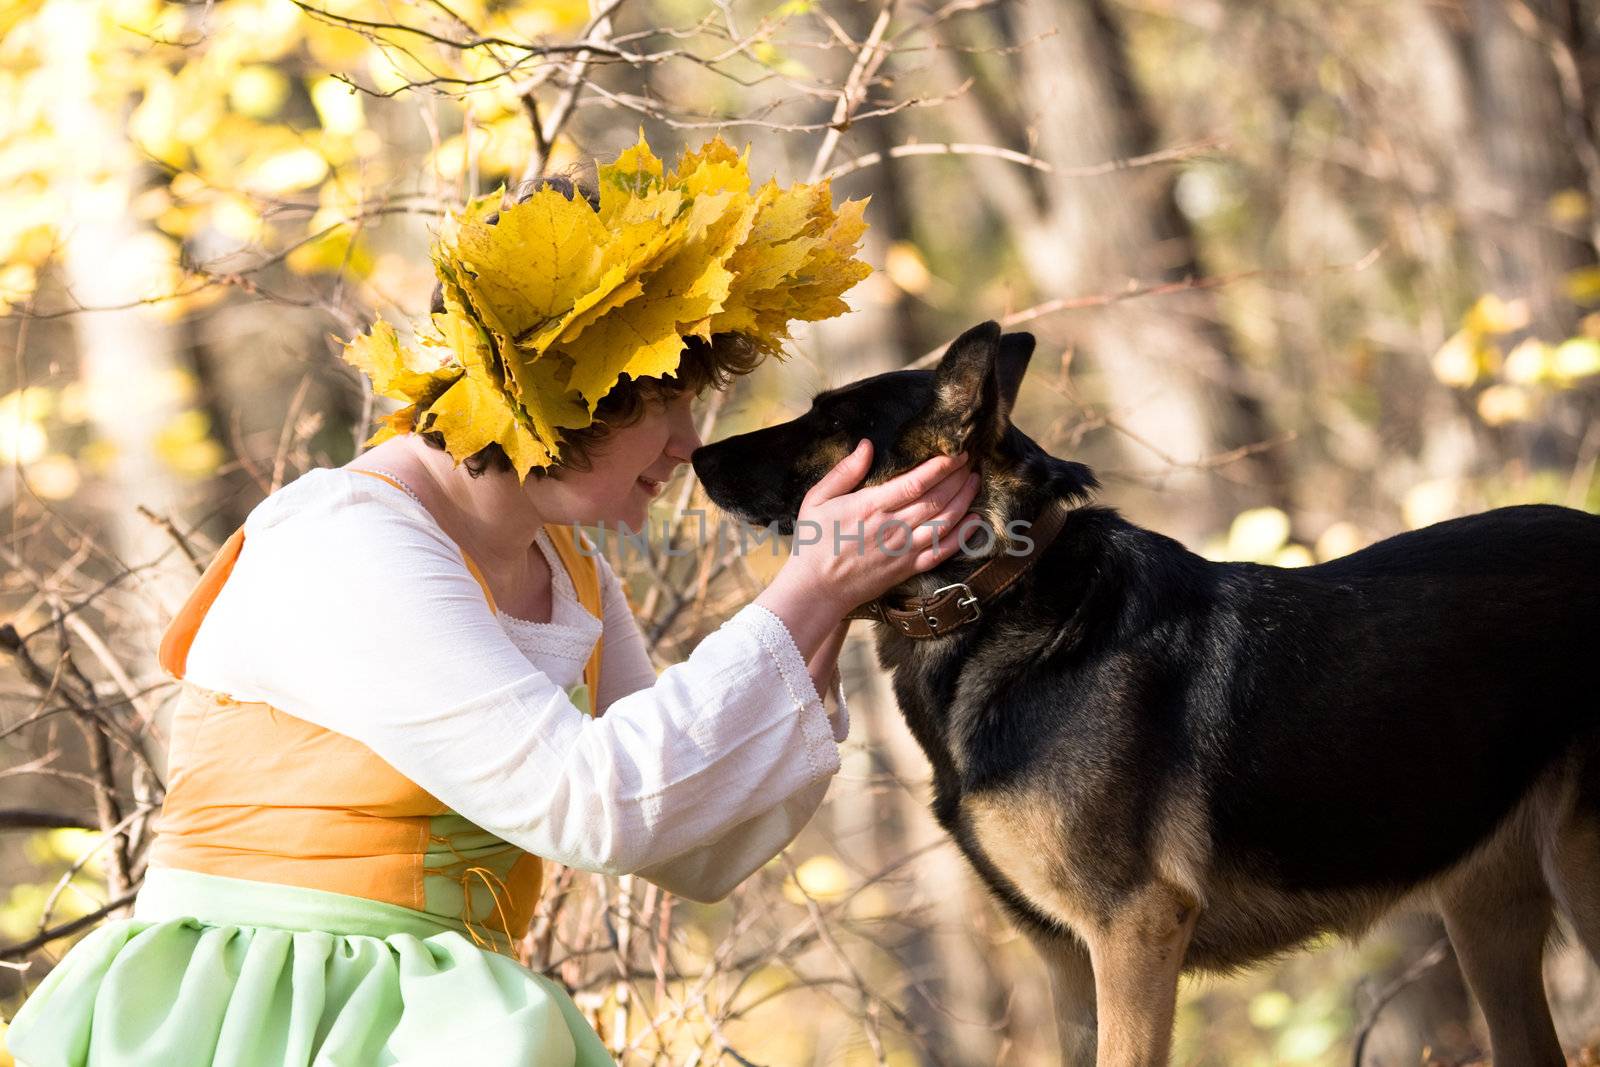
x=226, y=971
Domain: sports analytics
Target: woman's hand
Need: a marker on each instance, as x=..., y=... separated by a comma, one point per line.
x=866, y=542
x=850, y=547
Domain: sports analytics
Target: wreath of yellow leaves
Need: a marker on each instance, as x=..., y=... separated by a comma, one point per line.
x=546, y=309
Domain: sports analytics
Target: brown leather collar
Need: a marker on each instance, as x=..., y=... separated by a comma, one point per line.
x=951, y=607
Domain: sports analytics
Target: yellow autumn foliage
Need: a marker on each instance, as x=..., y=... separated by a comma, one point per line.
x=547, y=308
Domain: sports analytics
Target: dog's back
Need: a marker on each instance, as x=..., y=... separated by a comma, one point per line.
x=1388, y=709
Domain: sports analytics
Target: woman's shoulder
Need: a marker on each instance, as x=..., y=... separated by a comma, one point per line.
x=332, y=526
x=337, y=496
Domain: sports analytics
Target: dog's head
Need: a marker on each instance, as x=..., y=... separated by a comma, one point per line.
x=964, y=404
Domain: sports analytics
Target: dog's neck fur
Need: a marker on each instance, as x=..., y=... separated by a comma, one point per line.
x=1016, y=484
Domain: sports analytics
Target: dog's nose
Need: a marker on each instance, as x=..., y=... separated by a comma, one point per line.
x=703, y=461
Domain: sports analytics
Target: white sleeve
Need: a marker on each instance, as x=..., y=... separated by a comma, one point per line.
x=711, y=871
x=626, y=667
x=362, y=617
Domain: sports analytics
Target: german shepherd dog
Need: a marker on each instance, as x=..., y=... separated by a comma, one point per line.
x=1158, y=763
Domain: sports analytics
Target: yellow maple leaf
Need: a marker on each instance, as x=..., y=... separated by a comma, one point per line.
x=476, y=210
x=472, y=414
x=476, y=411
x=644, y=337
x=537, y=260
x=798, y=259
x=635, y=247
x=393, y=367
x=397, y=373
x=636, y=171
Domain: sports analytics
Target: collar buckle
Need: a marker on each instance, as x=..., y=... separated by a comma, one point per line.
x=968, y=601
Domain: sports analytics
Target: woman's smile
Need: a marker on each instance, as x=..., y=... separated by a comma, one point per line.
x=650, y=485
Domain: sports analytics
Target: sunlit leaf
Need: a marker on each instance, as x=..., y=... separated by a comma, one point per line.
x=63, y=845
x=1528, y=362
x=338, y=106
x=236, y=217
x=1306, y=1041
x=31, y=404
x=1582, y=285
x=298, y=168
x=1339, y=539
x=99, y=456
x=22, y=441
x=1500, y=404
x=1578, y=357
x=332, y=251
x=1460, y=360
x=1257, y=534
x=258, y=91
x=1429, y=502
x=185, y=444
x=1271, y=1009
x=54, y=477
x=904, y=265
x=1491, y=314
x=820, y=878
x=1568, y=206
x=1293, y=556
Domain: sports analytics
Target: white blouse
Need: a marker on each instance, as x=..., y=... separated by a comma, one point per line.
x=350, y=607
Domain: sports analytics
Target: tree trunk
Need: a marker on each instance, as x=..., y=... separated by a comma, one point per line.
x=1165, y=364
x=1533, y=148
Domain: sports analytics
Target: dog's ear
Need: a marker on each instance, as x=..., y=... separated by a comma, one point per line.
x=1010, y=364
x=976, y=383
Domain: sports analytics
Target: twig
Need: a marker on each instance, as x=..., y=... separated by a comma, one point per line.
x=80, y=696
x=1092, y=170
x=107, y=837
x=868, y=60
x=1136, y=289
x=545, y=135
x=22, y=948
x=33, y=819
x=1427, y=961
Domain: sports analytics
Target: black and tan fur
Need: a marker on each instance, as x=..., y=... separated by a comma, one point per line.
x=1158, y=763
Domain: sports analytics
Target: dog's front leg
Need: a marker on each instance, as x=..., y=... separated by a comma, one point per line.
x=1072, y=990
x=1138, y=956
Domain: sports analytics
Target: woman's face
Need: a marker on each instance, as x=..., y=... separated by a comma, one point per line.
x=630, y=465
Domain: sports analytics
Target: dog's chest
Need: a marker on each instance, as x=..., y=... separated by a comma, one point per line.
x=1032, y=841
x=1031, y=857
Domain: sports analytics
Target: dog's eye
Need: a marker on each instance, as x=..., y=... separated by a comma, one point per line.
x=831, y=423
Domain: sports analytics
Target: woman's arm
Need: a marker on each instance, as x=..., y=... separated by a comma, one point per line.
x=709, y=872
x=355, y=612
x=627, y=667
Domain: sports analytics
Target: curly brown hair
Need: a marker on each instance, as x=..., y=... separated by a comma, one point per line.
x=704, y=364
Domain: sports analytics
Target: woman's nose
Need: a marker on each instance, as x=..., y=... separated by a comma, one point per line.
x=687, y=440
x=680, y=453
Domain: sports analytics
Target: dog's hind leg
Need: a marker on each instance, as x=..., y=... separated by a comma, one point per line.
x=1499, y=923
x=1576, y=880
x=1137, y=957
x=1072, y=990
x=1574, y=867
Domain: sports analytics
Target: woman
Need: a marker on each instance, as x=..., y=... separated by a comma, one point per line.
x=385, y=723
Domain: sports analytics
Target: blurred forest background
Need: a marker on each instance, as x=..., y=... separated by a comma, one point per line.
x=1304, y=273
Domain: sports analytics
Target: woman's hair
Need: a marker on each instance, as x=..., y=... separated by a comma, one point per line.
x=714, y=364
